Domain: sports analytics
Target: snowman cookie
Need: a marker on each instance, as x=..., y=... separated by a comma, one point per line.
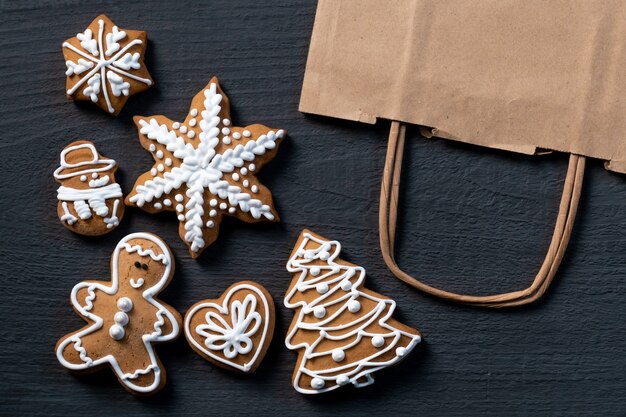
x=124, y=316
x=235, y=330
x=90, y=201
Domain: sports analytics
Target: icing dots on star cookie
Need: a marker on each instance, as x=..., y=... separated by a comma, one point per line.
x=125, y=318
x=104, y=65
x=205, y=168
x=342, y=331
x=235, y=330
x=89, y=200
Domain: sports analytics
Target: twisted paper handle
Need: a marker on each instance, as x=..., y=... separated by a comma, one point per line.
x=560, y=238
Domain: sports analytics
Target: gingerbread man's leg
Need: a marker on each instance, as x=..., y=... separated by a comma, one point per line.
x=140, y=372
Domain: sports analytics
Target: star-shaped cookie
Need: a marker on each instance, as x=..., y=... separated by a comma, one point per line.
x=205, y=168
x=105, y=64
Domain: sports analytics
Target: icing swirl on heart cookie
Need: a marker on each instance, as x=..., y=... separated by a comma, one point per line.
x=234, y=332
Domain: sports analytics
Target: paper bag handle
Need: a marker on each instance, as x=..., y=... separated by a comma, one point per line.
x=560, y=238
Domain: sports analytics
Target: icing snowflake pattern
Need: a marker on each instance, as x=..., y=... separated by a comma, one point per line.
x=204, y=168
x=103, y=63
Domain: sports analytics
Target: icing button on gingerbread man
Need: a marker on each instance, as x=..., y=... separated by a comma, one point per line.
x=90, y=201
x=124, y=316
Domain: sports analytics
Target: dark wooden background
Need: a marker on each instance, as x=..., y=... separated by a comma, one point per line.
x=473, y=220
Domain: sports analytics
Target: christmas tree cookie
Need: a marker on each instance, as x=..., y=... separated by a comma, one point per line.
x=105, y=64
x=342, y=331
x=90, y=201
x=124, y=316
x=204, y=168
x=235, y=330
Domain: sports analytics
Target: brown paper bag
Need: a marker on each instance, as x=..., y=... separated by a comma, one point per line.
x=524, y=76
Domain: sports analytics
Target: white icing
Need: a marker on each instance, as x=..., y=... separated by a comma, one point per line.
x=343, y=380
x=121, y=318
x=113, y=221
x=354, y=306
x=202, y=169
x=104, y=61
x=234, y=338
x=378, y=341
x=317, y=383
x=88, y=164
x=101, y=182
x=67, y=217
x=338, y=355
x=111, y=289
x=125, y=304
x=136, y=283
x=117, y=332
x=336, y=276
x=90, y=199
x=93, y=198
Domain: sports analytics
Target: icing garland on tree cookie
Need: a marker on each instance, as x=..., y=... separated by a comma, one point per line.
x=105, y=64
x=205, y=168
x=124, y=316
x=342, y=331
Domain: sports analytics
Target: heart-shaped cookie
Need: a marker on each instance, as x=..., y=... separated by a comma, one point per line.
x=235, y=330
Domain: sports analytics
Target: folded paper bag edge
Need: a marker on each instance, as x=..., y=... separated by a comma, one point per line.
x=336, y=85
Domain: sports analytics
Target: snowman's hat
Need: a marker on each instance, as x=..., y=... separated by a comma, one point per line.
x=81, y=159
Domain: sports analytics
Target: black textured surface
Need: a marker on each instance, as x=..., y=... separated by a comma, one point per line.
x=473, y=220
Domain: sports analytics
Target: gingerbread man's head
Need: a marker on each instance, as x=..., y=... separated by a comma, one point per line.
x=143, y=262
x=82, y=167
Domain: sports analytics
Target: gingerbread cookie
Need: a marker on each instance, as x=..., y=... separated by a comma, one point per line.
x=205, y=168
x=90, y=201
x=124, y=316
x=343, y=332
x=105, y=64
x=235, y=330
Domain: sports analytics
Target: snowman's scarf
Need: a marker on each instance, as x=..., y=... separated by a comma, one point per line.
x=102, y=193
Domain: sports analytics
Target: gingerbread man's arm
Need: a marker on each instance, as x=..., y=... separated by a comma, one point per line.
x=83, y=295
x=168, y=322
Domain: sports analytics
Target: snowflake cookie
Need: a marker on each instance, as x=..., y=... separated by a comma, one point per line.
x=235, y=330
x=90, y=201
x=105, y=64
x=342, y=331
x=124, y=316
x=205, y=168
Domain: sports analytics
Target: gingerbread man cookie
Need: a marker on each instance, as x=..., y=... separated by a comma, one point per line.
x=105, y=64
x=342, y=331
x=205, y=168
x=124, y=316
x=90, y=201
x=235, y=330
